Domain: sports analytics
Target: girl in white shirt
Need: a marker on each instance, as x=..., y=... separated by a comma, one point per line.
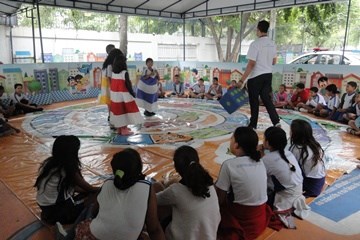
x=125, y=204
x=309, y=154
x=285, y=177
x=194, y=203
x=243, y=178
x=60, y=183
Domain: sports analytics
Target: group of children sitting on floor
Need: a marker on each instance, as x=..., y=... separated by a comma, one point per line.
x=19, y=104
x=198, y=90
x=343, y=110
x=262, y=185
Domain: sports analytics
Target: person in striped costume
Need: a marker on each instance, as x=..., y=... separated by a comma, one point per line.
x=123, y=108
x=106, y=77
x=147, y=89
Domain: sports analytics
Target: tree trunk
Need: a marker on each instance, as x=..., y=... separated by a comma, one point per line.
x=229, y=35
x=216, y=39
x=123, y=25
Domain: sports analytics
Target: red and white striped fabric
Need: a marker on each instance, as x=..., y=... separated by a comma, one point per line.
x=123, y=108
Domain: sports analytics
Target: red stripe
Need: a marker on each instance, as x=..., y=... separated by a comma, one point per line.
x=118, y=85
x=120, y=108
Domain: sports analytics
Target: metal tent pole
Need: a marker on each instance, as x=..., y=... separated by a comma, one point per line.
x=346, y=29
x=33, y=33
x=184, y=42
x=40, y=33
x=11, y=41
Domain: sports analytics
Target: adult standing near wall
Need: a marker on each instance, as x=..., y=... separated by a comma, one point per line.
x=261, y=56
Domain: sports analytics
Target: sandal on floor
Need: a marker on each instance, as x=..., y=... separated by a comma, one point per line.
x=352, y=131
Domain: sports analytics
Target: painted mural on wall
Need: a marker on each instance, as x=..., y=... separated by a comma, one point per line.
x=58, y=82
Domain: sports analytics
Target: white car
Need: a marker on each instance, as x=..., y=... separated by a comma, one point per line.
x=327, y=57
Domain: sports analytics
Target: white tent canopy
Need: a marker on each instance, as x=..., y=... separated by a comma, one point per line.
x=178, y=9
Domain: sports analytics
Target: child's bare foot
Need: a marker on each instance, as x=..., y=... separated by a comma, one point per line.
x=124, y=131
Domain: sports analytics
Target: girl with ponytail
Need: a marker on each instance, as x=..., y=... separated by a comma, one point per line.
x=310, y=155
x=195, y=209
x=125, y=203
x=247, y=215
x=285, y=178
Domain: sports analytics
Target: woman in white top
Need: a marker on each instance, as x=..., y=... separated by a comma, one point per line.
x=284, y=177
x=125, y=204
x=194, y=203
x=60, y=182
x=246, y=215
x=309, y=154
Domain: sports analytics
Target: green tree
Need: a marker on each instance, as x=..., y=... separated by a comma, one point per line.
x=312, y=25
x=233, y=29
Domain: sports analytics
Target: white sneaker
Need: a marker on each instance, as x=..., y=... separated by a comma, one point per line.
x=60, y=231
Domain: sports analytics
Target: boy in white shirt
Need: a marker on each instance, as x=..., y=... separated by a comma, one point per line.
x=332, y=105
x=346, y=103
x=315, y=99
x=22, y=104
x=197, y=90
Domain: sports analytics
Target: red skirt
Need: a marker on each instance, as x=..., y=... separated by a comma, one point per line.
x=243, y=222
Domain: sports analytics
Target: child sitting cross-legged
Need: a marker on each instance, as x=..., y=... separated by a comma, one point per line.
x=354, y=118
x=126, y=204
x=310, y=155
x=332, y=105
x=347, y=102
x=193, y=201
x=285, y=180
x=311, y=104
x=281, y=97
x=241, y=188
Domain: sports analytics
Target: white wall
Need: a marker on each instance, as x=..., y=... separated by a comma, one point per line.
x=158, y=47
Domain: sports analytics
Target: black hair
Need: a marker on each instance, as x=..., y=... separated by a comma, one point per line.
x=283, y=85
x=176, y=75
x=300, y=85
x=2, y=88
x=64, y=158
x=78, y=77
x=109, y=48
x=353, y=84
x=302, y=136
x=70, y=78
x=276, y=138
x=194, y=71
x=17, y=85
x=248, y=140
x=119, y=63
x=314, y=89
x=111, y=57
x=215, y=78
x=332, y=88
x=128, y=161
x=263, y=26
x=148, y=60
x=201, y=79
x=322, y=79
x=194, y=176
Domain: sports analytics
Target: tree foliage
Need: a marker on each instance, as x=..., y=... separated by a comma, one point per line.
x=52, y=17
x=320, y=25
